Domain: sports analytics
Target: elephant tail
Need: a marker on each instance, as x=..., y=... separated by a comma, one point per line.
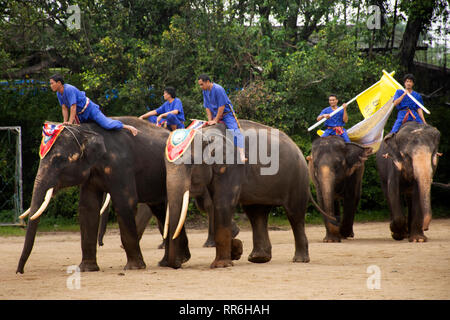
x=332, y=219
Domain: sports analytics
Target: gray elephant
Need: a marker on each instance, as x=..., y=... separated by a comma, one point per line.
x=257, y=186
x=336, y=169
x=130, y=168
x=406, y=164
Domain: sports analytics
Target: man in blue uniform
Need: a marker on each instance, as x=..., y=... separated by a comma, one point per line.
x=77, y=108
x=408, y=110
x=335, y=124
x=219, y=109
x=172, y=110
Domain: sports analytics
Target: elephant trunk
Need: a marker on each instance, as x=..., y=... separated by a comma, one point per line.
x=178, y=184
x=39, y=201
x=326, y=180
x=423, y=174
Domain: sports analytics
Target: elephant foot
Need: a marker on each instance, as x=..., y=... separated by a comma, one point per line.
x=330, y=238
x=135, y=265
x=236, y=249
x=260, y=256
x=301, y=257
x=347, y=234
x=225, y=263
x=88, y=266
x=209, y=243
x=418, y=238
x=399, y=235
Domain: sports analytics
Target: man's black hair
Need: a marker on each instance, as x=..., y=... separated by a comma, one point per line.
x=409, y=76
x=204, y=77
x=57, y=78
x=333, y=95
x=171, y=91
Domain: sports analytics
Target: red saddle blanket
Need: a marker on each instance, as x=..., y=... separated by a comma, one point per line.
x=179, y=140
x=49, y=134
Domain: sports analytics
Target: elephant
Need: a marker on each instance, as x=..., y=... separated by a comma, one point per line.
x=257, y=186
x=336, y=169
x=130, y=168
x=406, y=164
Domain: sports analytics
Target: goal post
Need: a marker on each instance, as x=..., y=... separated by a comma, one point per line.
x=11, y=184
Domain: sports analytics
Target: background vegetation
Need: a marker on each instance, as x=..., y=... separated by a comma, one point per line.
x=278, y=60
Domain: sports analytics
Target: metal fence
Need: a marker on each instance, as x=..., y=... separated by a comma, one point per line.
x=11, y=200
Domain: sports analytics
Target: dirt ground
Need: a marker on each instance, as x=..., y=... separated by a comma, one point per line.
x=336, y=271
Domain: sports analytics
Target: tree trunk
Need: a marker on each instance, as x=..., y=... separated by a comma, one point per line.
x=420, y=13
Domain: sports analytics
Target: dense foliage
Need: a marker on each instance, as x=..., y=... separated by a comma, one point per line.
x=276, y=72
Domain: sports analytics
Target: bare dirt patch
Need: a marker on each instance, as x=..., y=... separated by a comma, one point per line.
x=336, y=271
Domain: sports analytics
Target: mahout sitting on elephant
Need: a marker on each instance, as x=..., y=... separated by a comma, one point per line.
x=130, y=168
x=277, y=178
x=336, y=169
x=406, y=164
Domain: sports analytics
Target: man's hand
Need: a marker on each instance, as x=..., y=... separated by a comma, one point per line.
x=327, y=116
x=132, y=129
x=344, y=105
x=212, y=122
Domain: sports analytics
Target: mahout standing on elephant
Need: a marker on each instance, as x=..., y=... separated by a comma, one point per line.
x=406, y=164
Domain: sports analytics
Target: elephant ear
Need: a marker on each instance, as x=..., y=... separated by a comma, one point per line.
x=93, y=146
x=355, y=156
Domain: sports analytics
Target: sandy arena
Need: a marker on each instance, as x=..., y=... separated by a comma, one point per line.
x=336, y=271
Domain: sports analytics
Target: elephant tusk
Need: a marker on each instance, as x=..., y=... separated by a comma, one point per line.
x=183, y=215
x=44, y=205
x=23, y=215
x=105, y=204
x=166, y=223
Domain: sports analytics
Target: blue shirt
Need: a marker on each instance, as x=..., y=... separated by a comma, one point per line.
x=215, y=98
x=407, y=102
x=335, y=121
x=72, y=95
x=175, y=105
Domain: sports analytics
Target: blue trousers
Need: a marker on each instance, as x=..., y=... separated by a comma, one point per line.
x=331, y=132
x=400, y=116
x=93, y=114
x=171, y=119
x=230, y=122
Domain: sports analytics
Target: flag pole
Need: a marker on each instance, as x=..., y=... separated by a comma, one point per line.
x=341, y=107
x=409, y=95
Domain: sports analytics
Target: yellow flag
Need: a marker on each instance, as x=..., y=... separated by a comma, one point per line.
x=376, y=97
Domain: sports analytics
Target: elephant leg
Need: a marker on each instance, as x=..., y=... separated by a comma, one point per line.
x=225, y=201
x=392, y=193
x=88, y=212
x=159, y=211
x=205, y=204
x=126, y=207
x=296, y=215
x=143, y=216
x=102, y=230
x=262, y=248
